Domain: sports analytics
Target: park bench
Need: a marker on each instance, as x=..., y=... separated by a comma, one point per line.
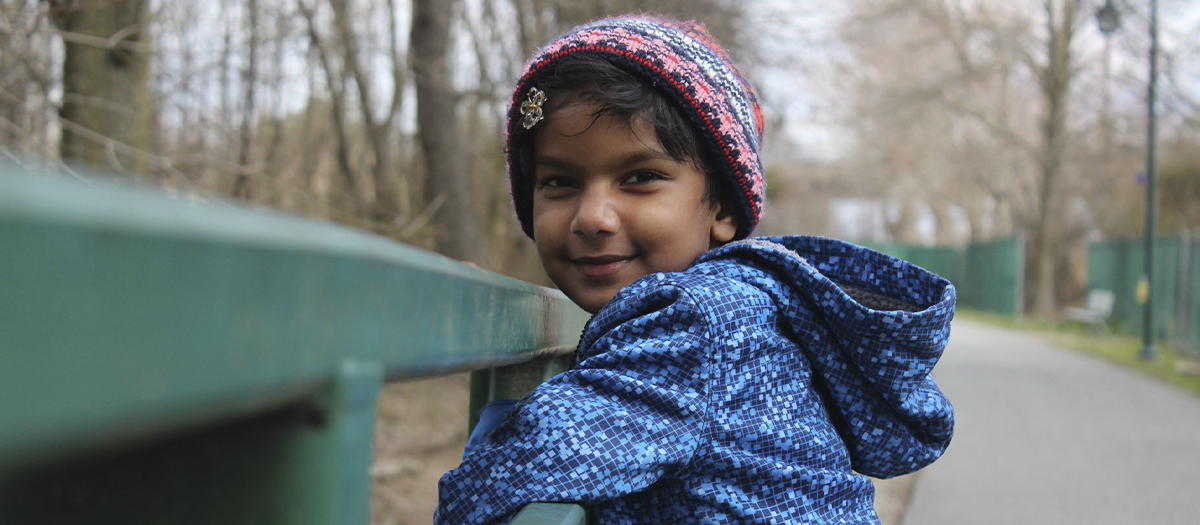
x=1096, y=309
x=168, y=361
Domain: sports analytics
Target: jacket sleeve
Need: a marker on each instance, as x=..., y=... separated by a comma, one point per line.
x=629, y=414
x=490, y=417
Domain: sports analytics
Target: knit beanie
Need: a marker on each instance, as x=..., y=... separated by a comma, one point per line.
x=684, y=61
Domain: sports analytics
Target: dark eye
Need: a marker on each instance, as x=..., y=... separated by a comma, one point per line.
x=556, y=182
x=642, y=177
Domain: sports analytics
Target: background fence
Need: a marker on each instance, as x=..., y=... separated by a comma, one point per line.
x=989, y=276
x=1118, y=265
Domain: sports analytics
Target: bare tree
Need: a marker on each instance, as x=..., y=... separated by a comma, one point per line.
x=389, y=204
x=448, y=188
x=996, y=82
x=106, y=108
x=27, y=82
x=335, y=81
x=1054, y=73
x=241, y=186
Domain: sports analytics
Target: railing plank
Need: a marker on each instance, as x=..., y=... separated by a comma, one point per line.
x=550, y=514
x=125, y=314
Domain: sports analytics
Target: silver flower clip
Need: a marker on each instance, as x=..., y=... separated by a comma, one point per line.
x=532, y=108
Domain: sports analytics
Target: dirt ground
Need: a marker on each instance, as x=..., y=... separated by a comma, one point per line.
x=420, y=434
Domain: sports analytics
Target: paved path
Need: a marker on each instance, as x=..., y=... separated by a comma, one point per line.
x=1048, y=436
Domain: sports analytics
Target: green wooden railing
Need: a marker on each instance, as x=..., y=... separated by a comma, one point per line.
x=168, y=361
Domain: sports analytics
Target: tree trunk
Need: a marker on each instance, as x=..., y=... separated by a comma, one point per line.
x=241, y=184
x=275, y=94
x=944, y=232
x=448, y=187
x=901, y=227
x=106, y=106
x=1055, y=80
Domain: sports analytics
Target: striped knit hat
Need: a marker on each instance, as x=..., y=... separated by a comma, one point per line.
x=687, y=63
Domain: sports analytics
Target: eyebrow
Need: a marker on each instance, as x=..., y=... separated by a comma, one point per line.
x=636, y=158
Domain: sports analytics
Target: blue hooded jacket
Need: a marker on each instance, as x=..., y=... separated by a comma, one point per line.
x=748, y=389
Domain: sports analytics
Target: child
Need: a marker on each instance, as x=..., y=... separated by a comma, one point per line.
x=721, y=380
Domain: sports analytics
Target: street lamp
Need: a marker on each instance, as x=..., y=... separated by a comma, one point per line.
x=1109, y=18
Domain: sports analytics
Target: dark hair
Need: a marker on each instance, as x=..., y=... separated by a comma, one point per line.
x=618, y=93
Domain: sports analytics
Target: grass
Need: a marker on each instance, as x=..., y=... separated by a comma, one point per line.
x=1122, y=349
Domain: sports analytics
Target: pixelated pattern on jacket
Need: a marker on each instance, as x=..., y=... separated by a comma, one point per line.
x=744, y=390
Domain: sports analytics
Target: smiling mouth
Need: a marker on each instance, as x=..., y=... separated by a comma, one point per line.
x=602, y=266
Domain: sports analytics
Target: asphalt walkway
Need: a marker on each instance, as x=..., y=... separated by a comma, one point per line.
x=1048, y=436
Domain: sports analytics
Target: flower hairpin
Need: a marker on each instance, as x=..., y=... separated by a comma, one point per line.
x=532, y=108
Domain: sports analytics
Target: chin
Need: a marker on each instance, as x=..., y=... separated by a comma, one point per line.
x=591, y=303
x=591, y=307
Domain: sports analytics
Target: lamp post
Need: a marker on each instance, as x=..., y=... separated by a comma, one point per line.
x=1109, y=18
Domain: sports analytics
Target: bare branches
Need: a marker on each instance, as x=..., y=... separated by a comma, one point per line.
x=337, y=106
x=388, y=205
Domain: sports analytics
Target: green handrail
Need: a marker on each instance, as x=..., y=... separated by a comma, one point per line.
x=164, y=360
x=550, y=514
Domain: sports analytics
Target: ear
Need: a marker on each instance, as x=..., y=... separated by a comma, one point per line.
x=724, y=225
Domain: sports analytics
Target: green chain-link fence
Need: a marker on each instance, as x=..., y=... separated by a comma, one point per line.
x=1118, y=265
x=989, y=276
x=993, y=276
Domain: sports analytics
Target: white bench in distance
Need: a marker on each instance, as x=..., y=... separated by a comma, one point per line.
x=1096, y=309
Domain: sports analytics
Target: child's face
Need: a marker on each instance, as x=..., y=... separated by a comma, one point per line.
x=611, y=206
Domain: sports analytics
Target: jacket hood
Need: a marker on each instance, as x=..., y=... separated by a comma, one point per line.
x=885, y=324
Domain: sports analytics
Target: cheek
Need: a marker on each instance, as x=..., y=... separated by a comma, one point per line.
x=538, y=213
x=681, y=233
x=548, y=232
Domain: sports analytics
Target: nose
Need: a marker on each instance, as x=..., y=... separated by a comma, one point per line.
x=596, y=214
